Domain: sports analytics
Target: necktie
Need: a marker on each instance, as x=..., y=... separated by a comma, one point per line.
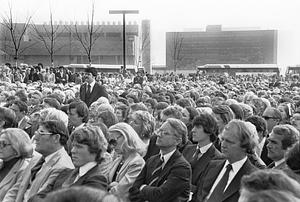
x=36, y=168
x=217, y=194
x=156, y=172
x=196, y=157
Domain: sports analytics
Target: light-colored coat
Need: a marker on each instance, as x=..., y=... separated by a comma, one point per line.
x=131, y=168
x=12, y=176
x=45, y=176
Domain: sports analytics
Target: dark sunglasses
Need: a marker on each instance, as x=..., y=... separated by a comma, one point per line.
x=268, y=117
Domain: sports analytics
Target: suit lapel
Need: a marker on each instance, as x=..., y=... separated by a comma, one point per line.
x=202, y=162
x=168, y=166
x=124, y=167
x=82, y=178
x=234, y=185
x=210, y=178
x=43, y=174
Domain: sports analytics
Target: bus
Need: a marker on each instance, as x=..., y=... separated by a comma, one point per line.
x=101, y=68
x=238, y=69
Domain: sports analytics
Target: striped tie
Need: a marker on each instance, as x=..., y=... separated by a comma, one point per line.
x=157, y=171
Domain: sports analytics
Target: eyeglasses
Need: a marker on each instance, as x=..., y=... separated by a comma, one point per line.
x=3, y=144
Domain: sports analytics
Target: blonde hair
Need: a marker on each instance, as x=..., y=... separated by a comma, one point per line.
x=20, y=141
x=132, y=141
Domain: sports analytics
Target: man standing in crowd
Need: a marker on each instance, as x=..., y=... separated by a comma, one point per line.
x=61, y=76
x=204, y=132
x=51, y=137
x=222, y=179
x=281, y=139
x=166, y=176
x=91, y=90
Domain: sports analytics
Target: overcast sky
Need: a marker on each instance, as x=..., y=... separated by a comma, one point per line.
x=180, y=15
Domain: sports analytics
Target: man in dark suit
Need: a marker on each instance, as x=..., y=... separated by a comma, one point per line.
x=61, y=76
x=204, y=132
x=88, y=145
x=91, y=90
x=222, y=179
x=166, y=176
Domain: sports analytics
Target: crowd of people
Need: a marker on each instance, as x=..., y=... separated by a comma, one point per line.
x=172, y=138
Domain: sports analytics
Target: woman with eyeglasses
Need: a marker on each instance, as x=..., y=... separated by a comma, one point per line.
x=128, y=162
x=15, y=151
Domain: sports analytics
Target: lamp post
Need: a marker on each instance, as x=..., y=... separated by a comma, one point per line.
x=124, y=12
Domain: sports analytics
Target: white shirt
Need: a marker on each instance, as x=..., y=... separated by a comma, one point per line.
x=92, y=85
x=85, y=168
x=236, y=166
x=277, y=163
x=205, y=148
x=167, y=157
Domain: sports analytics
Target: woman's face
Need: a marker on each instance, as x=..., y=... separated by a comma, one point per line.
x=119, y=115
x=119, y=139
x=296, y=120
x=7, y=152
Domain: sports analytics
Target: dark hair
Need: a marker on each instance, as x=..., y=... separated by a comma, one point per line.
x=9, y=117
x=270, y=179
x=209, y=124
x=193, y=112
x=123, y=100
x=225, y=113
x=238, y=111
x=293, y=158
x=173, y=112
x=184, y=102
x=57, y=127
x=22, y=106
x=259, y=123
x=91, y=70
x=161, y=105
x=52, y=102
x=81, y=109
x=108, y=118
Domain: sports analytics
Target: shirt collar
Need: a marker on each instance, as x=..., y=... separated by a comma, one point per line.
x=92, y=84
x=277, y=163
x=47, y=158
x=86, y=167
x=236, y=166
x=204, y=149
x=167, y=156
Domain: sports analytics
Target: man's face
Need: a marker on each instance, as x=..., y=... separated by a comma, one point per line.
x=44, y=141
x=81, y=154
x=136, y=123
x=274, y=146
x=220, y=122
x=166, y=137
x=74, y=118
x=268, y=115
x=198, y=134
x=89, y=78
x=231, y=145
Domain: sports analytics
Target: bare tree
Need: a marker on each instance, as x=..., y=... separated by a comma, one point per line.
x=144, y=45
x=87, y=35
x=176, y=49
x=48, y=34
x=17, y=32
